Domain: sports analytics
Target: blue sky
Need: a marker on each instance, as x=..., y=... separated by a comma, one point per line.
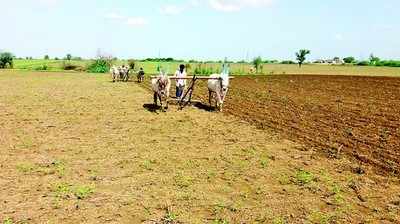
x=201, y=29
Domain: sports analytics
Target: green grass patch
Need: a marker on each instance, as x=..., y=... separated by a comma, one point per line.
x=8, y=221
x=66, y=191
x=303, y=177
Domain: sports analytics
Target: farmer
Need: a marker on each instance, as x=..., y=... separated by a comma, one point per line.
x=141, y=75
x=180, y=83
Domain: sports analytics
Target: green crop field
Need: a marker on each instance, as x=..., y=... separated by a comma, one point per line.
x=236, y=68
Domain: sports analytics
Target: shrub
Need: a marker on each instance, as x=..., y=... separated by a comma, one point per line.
x=389, y=63
x=363, y=63
x=100, y=65
x=42, y=68
x=69, y=66
x=349, y=60
x=197, y=71
x=6, y=60
x=288, y=62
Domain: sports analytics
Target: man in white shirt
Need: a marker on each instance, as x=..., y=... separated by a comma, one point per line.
x=180, y=83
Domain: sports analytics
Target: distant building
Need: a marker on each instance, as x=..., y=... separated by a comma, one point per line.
x=334, y=61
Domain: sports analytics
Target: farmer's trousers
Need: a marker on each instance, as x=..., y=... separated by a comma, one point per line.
x=179, y=91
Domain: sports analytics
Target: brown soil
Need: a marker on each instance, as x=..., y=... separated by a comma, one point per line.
x=357, y=116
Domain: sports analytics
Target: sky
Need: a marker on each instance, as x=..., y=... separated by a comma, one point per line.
x=201, y=29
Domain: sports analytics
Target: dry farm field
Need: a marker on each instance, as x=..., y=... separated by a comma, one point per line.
x=77, y=148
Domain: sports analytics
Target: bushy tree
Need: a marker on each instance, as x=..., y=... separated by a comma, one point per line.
x=349, y=60
x=6, y=60
x=257, y=63
x=68, y=57
x=46, y=57
x=301, y=56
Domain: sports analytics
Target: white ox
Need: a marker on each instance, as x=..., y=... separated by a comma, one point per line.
x=218, y=86
x=120, y=73
x=161, y=86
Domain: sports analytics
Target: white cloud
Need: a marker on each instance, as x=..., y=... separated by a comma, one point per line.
x=136, y=21
x=237, y=5
x=171, y=10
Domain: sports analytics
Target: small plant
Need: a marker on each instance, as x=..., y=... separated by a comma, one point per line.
x=25, y=168
x=147, y=164
x=304, y=177
x=62, y=190
x=337, y=193
x=279, y=220
x=82, y=192
x=183, y=181
x=8, y=221
x=220, y=221
x=170, y=217
x=59, y=167
x=284, y=179
x=264, y=162
x=321, y=218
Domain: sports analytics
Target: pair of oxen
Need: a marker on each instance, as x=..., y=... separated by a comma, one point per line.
x=120, y=73
x=218, y=85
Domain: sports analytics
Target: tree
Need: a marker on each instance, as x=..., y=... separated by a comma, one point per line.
x=131, y=64
x=69, y=57
x=373, y=59
x=6, y=59
x=301, y=56
x=257, y=63
x=46, y=57
x=349, y=60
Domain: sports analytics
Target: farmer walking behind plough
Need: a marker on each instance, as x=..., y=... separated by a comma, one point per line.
x=180, y=83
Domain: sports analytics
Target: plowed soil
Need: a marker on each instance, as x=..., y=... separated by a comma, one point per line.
x=77, y=148
x=355, y=116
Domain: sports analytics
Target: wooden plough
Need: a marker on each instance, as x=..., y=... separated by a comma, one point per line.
x=189, y=92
